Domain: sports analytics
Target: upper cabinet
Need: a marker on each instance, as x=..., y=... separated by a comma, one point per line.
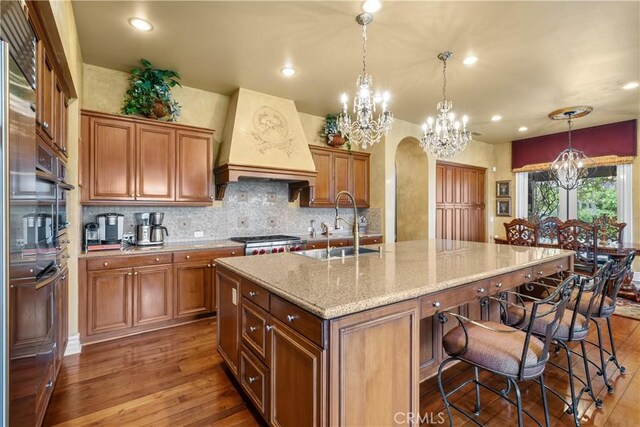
x=128, y=160
x=45, y=84
x=338, y=170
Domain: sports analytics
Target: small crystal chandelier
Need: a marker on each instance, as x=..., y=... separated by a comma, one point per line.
x=571, y=167
x=365, y=130
x=446, y=136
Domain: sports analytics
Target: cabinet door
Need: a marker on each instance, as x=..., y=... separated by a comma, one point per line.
x=192, y=292
x=322, y=193
x=45, y=92
x=228, y=290
x=109, y=300
x=59, y=119
x=294, y=360
x=111, y=160
x=152, y=294
x=361, y=180
x=193, y=166
x=62, y=315
x=342, y=175
x=156, y=161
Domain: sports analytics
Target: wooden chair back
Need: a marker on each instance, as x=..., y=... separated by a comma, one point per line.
x=521, y=232
x=580, y=237
x=609, y=231
x=548, y=230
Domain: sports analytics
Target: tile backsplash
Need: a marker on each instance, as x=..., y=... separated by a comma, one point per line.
x=249, y=208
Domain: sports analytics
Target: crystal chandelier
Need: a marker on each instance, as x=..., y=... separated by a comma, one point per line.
x=365, y=130
x=571, y=167
x=446, y=136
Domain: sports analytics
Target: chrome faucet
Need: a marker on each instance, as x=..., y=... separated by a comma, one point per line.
x=355, y=226
x=325, y=227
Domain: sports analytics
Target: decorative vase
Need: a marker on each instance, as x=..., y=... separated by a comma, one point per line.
x=336, y=140
x=158, y=110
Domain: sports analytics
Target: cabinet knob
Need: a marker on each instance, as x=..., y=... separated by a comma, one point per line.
x=540, y=273
x=135, y=273
x=268, y=328
x=106, y=264
x=188, y=257
x=252, y=294
x=253, y=328
x=252, y=380
x=157, y=259
x=49, y=384
x=45, y=125
x=208, y=265
x=233, y=252
x=560, y=266
x=291, y=317
x=64, y=276
x=129, y=274
x=499, y=285
x=436, y=304
x=131, y=195
x=481, y=290
x=527, y=276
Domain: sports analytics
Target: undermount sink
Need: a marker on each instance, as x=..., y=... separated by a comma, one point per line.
x=335, y=253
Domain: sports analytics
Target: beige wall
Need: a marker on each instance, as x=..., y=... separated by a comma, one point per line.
x=502, y=162
x=65, y=22
x=412, y=202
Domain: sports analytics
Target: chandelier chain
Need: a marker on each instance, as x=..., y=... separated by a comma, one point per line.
x=444, y=76
x=364, y=49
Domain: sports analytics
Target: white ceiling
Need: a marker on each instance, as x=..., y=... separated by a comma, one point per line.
x=534, y=57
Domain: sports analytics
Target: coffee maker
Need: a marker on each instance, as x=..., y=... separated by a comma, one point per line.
x=111, y=227
x=91, y=235
x=158, y=231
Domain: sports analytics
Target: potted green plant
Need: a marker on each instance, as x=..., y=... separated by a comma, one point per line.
x=149, y=93
x=331, y=132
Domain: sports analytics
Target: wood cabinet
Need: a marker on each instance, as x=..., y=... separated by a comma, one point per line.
x=338, y=170
x=62, y=316
x=132, y=160
x=45, y=92
x=123, y=295
x=60, y=118
x=155, y=157
x=228, y=295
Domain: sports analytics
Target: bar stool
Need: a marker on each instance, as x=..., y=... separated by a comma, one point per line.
x=573, y=328
x=605, y=308
x=514, y=354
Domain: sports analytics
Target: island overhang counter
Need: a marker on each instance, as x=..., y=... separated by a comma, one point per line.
x=346, y=341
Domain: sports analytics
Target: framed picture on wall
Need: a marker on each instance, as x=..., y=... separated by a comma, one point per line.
x=503, y=188
x=503, y=207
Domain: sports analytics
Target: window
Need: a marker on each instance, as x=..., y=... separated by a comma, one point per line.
x=543, y=198
x=598, y=196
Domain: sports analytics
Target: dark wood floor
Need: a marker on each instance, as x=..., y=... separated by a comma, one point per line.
x=175, y=378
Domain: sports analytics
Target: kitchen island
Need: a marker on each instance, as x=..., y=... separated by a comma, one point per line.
x=347, y=341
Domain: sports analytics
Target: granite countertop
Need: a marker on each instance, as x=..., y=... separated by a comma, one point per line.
x=167, y=247
x=401, y=271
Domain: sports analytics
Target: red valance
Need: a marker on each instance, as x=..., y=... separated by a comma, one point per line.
x=614, y=139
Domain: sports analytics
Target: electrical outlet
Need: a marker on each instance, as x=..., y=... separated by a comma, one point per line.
x=242, y=196
x=198, y=234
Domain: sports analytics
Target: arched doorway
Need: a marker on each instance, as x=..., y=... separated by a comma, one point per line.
x=412, y=215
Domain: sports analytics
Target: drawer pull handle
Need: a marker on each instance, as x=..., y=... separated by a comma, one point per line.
x=481, y=290
x=252, y=380
x=268, y=328
x=253, y=328
x=49, y=384
x=499, y=285
x=45, y=125
x=527, y=276
x=252, y=294
x=129, y=274
x=233, y=252
x=560, y=267
x=291, y=317
x=436, y=304
x=157, y=259
x=540, y=273
x=188, y=257
x=135, y=273
x=106, y=264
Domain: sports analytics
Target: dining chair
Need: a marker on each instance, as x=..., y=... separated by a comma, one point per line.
x=521, y=232
x=580, y=237
x=604, y=310
x=573, y=328
x=609, y=231
x=548, y=230
x=514, y=354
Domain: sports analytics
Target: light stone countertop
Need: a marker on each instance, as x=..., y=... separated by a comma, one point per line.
x=167, y=247
x=405, y=270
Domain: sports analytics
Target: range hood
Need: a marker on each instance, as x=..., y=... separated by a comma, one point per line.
x=263, y=139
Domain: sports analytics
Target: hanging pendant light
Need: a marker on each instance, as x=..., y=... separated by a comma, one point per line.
x=365, y=130
x=571, y=167
x=445, y=136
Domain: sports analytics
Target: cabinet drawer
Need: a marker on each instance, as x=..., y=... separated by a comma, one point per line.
x=370, y=240
x=253, y=380
x=337, y=243
x=184, y=256
x=430, y=304
x=510, y=280
x=299, y=320
x=255, y=294
x=550, y=268
x=317, y=245
x=253, y=328
x=127, y=261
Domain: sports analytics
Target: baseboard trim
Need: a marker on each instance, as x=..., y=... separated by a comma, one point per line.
x=73, y=345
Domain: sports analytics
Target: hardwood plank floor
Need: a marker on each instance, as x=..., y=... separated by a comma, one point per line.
x=175, y=377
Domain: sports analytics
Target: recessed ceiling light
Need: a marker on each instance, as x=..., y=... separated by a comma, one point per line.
x=469, y=60
x=523, y=129
x=630, y=85
x=140, y=24
x=288, y=71
x=371, y=6
x=496, y=118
